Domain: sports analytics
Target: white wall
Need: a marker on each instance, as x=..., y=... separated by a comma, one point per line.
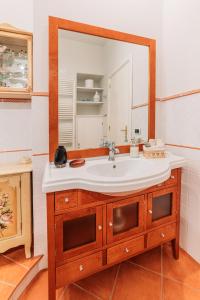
x=179, y=119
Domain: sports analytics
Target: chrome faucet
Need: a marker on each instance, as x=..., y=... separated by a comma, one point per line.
x=112, y=150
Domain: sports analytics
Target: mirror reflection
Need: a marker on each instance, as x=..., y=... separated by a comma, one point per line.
x=103, y=91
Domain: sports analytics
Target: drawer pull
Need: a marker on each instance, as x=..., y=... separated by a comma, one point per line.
x=110, y=224
x=172, y=177
x=150, y=211
x=66, y=200
x=81, y=268
x=126, y=250
x=99, y=227
x=162, y=235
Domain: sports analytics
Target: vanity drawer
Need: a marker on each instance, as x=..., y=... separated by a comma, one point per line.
x=124, y=250
x=66, y=200
x=161, y=235
x=78, y=269
x=173, y=178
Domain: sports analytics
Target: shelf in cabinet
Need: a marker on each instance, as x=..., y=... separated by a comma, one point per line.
x=89, y=102
x=85, y=89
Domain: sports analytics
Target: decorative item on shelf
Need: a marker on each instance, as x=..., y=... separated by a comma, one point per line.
x=155, y=148
x=60, y=158
x=96, y=97
x=76, y=163
x=25, y=160
x=89, y=83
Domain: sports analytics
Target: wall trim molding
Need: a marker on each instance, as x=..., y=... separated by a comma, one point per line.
x=40, y=94
x=140, y=105
x=183, y=146
x=179, y=95
x=40, y=154
x=15, y=150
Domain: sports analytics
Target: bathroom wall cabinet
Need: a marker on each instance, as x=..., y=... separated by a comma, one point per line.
x=89, y=232
x=15, y=62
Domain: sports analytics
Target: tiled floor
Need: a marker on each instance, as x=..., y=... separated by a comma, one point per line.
x=13, y=268
x=149, y=276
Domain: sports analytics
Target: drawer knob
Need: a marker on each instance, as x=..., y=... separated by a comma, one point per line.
x=150, y=211
x=110, y=224
x=172, y=177
x=100, y=227
x=66, y=200
x=162, y=235
x=81, y=268
x=126, y=250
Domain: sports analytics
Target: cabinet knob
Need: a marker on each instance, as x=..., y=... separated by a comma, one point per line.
x=99, y=227
x=126, y=250
x=81, y=268
x=150, y=211
x=162, y=235
x=66, y=200
x=110, y=224
x=172, y=177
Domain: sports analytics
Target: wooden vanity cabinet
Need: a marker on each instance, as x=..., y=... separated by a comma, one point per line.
x=89, y=232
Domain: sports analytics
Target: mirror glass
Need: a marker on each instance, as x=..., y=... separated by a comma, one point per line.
x=103, y=91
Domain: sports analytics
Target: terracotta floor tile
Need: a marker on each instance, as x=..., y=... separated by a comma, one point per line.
x=100, y=284
x=11, y=272
x=178, y=291
x=135, y=283
x=19, y=256
x=185, y=269
x=5, y=291
x=75, y=293
x=150, y=260
x=38, y=289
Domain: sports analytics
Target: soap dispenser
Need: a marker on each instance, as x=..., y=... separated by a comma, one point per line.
x=134, y=148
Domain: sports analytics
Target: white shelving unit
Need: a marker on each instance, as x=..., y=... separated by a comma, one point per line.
x=90, y=118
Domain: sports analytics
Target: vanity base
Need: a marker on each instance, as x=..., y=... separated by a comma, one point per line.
x=89, y=232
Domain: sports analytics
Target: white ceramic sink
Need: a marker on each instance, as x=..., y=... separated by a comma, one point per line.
x=123, y=175
x=124, y=169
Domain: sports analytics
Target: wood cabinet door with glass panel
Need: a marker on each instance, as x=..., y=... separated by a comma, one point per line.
x=162, y=207
x=125, y=218
x=78, y=231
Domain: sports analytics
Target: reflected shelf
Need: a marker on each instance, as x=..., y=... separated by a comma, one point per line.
x=89, y=102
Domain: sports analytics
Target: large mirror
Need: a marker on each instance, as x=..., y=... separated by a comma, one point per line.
x=103, y=91
x=102, y=87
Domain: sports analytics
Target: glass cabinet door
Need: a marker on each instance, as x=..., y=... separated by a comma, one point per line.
x=125, y=218
x=15, y=62
x=161, y=207
x=78, y=232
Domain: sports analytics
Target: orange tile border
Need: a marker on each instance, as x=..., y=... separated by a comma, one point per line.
x=183, y=146
x=15, y=150
x=179, y=95
x=40, y=94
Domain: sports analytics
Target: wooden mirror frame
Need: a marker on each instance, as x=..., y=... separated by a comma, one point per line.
x=54, y=25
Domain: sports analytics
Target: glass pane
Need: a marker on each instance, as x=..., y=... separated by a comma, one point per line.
x=125, y=218
x=13, y=62
x=162, y=206
x=78, y=232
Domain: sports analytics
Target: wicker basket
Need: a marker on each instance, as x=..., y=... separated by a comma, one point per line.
x=154, y=153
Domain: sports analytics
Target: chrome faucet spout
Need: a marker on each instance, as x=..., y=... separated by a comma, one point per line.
x=112, y=151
